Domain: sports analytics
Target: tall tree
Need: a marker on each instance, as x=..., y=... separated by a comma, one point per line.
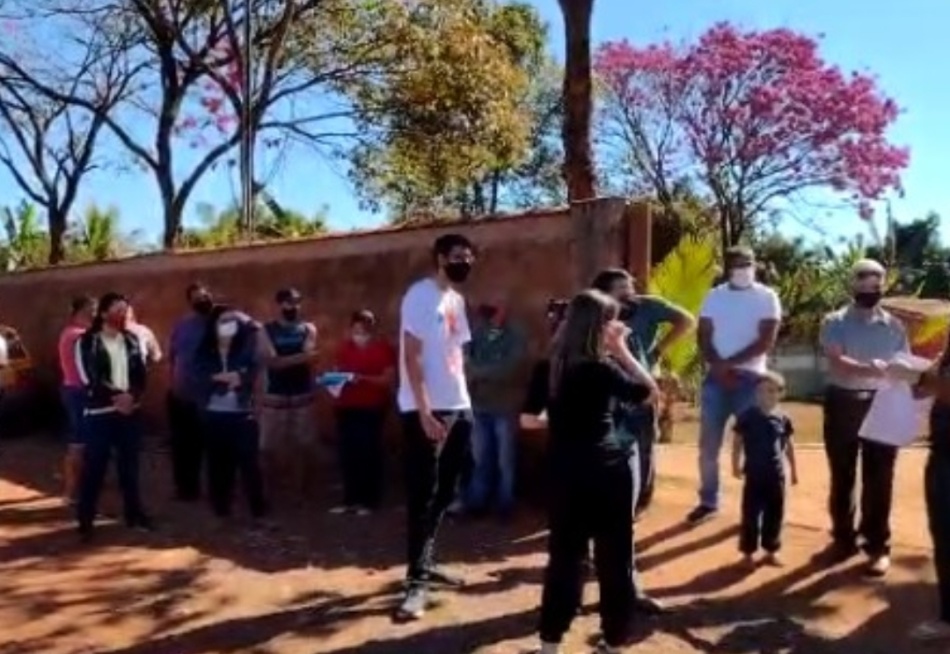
x=449, y=117
x=579, y=171
x=47, y=144
x=751, y=119
x=189, y=56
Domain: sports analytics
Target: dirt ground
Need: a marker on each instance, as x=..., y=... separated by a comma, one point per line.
x=326, y=584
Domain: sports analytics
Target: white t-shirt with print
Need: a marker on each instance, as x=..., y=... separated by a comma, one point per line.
x=735, y=315
x=437, y=318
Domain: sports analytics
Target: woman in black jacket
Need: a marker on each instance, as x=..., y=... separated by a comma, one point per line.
x=227, y=371
x=112, y=370
x=592, y=371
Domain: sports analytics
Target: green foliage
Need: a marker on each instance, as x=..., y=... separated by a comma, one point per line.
x=915, y=251
x=97, y=236
x=684, y=277
x=451, y=109
x=272, y=222
x=25, y=243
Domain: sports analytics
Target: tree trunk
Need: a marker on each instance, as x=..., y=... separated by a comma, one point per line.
x=57, y=225
x=578, y=101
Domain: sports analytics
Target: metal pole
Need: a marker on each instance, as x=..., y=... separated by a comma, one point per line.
x=247, y=128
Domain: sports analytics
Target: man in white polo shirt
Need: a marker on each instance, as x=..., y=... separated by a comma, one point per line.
x=436, y=410
x=738, y=325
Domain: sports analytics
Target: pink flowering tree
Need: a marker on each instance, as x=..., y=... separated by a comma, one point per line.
x=749, y=119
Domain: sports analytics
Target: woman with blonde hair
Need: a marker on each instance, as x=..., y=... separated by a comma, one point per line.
x=592, y=374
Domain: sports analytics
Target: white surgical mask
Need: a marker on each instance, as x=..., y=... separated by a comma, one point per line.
x=360, y=339
x=227, y=329
x=742, y=277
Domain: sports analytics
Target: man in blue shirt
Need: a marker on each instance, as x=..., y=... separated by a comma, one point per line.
x=184, y=416
x=645, y=315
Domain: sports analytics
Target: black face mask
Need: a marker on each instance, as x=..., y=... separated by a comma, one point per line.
x=290, y=314
x=457, y=271
x=867, y=299
x=203, y=306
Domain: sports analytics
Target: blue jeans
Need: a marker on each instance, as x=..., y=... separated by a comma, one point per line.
x=493, y=458
x=74, y=402
x=717, y=405
x=104, y=434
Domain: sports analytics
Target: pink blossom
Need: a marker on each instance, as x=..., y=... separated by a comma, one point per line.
x=759, y=108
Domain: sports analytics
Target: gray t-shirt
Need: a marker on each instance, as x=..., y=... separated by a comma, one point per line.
x=862, y=336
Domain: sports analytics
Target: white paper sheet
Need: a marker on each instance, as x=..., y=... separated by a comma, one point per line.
x=895, y=417
x=334, y=382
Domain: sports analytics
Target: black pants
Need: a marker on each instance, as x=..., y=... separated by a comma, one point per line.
x=937, y=495
x=187, y=446
x=360, y=445
x=763, y=511
x=104, y=434
x=233, y=449
x=589, y=501
x=433, y=471
x=844, y=413
x=646, y=439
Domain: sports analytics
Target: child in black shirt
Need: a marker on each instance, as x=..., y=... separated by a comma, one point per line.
x=762, y=442
x=591, y=495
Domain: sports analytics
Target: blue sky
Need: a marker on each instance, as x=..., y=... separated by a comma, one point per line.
x=903, y=44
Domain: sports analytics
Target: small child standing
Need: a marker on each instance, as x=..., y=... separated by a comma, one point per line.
x=762, y=442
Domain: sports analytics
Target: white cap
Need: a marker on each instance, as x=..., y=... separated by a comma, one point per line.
x=867, y=267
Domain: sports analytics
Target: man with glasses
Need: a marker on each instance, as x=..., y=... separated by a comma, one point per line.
x=859, y=340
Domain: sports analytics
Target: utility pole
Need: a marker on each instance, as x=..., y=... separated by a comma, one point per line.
x=247, y=125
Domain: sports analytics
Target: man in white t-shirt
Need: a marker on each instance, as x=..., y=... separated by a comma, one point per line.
x=151, y=350
x=436, y=409
x=738, y=324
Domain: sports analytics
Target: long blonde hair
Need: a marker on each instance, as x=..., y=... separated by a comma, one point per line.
x=581, y=336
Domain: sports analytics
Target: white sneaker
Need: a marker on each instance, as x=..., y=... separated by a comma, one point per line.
x=878, y=566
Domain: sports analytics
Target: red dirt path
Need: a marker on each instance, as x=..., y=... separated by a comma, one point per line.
x=325, y=584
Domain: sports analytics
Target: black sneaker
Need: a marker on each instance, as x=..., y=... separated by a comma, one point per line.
x=701, y=514
x=414, y=604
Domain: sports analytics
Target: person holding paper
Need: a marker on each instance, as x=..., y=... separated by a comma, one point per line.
x=936, y=383
x=361, y=412
x=859, y=340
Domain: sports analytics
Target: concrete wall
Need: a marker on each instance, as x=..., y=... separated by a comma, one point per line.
x=536, y=256
x=804, y=370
